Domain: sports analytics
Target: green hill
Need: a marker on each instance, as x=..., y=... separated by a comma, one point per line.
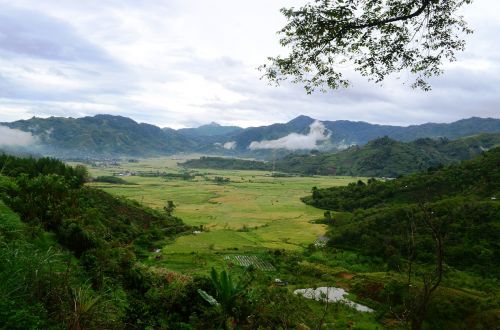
x=71, y=257
x=462, y=198
x=390, y=158
x=212, y=130
x=103, y=135
x=378, y=158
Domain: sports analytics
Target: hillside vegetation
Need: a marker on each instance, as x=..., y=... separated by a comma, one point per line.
x=102, y=135
x=378, y=158
x=70, y=255
x=463, y=199
x=111, y=136
x=345, y=132
x=439, y=227
x=76, y=257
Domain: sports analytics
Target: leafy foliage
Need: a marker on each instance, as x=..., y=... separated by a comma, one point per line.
x=31, y=167
x=378, y=37
x=106, y=235
x=110, y=179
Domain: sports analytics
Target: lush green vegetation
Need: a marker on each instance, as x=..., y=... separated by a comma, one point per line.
x=102, y=135
x=385, y=157
x=241, y=209
x=70, y=255
x=75, y=256
x=345, y=133
x=107, y=135
x=401, y=221
x=225, y=163
x=382, y=157
x=110, y=179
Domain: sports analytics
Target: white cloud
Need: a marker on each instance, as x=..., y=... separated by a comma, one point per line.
x=15, y=138
x=180, y=62
x=295, y=141
x=230, y=145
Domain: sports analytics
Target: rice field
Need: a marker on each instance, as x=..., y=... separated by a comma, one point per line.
x=251, y=212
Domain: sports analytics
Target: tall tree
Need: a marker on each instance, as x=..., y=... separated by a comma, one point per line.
x=377, y=37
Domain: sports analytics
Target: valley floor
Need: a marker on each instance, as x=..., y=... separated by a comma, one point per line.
x=252, y=212
x=242, y=218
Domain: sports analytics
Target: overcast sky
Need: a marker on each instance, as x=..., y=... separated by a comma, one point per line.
x=181, y=63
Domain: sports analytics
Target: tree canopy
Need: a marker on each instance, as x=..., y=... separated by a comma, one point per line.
x=376, y=37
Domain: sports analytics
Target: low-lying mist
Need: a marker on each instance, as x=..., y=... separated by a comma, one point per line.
x=294, y=141
x=15, y=138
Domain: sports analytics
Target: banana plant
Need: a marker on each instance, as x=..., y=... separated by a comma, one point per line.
x=227, y=291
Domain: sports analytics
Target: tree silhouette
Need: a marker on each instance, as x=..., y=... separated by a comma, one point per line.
x=376, y=37
x=169, y=208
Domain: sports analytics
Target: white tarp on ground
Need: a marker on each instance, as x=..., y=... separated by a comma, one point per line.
x=331, y=294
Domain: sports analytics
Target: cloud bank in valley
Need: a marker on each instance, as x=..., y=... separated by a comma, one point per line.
x=294, y=141
x=15, y=138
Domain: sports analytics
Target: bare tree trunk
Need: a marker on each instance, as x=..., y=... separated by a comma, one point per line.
x=431, y=282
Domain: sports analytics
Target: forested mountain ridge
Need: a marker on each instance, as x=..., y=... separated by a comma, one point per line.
x=103, y=135
x=212, y=130
x=344, y=133
x=390, y=158
x=107, y=135
x=378, y=158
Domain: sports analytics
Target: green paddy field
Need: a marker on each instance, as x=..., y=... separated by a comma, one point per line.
x=253, y=212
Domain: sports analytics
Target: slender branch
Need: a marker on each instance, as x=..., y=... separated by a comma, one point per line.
x=374, y=23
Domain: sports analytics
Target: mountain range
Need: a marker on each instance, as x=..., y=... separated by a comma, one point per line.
x=107, y=135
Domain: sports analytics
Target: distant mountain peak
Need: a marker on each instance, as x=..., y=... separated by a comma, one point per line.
x=209, y=125
x=210, y=130
x=301, y=120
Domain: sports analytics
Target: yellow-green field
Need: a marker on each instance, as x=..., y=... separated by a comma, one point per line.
x=254, y=211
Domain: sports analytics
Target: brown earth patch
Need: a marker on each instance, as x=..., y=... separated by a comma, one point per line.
x=346, y=276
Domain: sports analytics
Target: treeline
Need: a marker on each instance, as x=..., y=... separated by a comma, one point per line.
x=227, y=164
x=376, y=216
x=13, y=166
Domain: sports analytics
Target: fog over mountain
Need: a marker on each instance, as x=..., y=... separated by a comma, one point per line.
x=294, y=141
x=15, y=138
